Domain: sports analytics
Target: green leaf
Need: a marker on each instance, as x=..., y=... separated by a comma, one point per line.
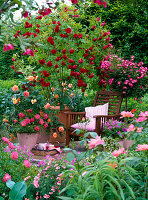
x=10, y=184
x=1, y=198
x=23, y=47
x=93, y=134
x=70, y=157
x=65, y=198
x=129, y=188
x=113, y=189
x=18, y=191
x=66, y=149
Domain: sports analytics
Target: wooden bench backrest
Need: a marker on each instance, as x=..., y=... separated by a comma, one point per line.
x=113, y=98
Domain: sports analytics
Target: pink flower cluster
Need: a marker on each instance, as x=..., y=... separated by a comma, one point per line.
x=116, y=153
x=127, y=114
x=8, y=47
x=133, y=128
x=95, y=142
x=14, y=156
x=32, y=121
x=132, y=72
x=142, y=147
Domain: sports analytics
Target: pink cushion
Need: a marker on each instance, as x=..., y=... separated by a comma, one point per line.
x=83, y=126
x=90, y=112
x=97, y=110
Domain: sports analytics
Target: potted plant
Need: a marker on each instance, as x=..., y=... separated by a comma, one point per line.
x=30, y=115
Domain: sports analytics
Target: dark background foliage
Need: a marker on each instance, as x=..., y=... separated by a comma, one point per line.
x=127, y=22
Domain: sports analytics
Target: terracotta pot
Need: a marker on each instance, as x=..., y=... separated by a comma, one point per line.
x=28, y=140
x=63, y=120
x=42, y=137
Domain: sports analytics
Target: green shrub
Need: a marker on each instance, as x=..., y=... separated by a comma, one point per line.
x=127, y=22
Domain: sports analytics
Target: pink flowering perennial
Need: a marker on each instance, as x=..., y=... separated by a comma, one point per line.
x=142, y=147
x=94, y=142
x=116, y=153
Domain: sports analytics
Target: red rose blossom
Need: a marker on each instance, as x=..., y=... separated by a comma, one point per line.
x=49, y=63
x=53, y=51
x=42, y=62
x=68, y=30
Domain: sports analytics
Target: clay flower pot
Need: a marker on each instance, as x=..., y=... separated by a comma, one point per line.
x=63, y=119
x=28, y=140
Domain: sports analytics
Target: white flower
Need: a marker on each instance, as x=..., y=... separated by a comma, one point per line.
x=33, y=101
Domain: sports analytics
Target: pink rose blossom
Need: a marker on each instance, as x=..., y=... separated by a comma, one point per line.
x=142, y=147
x=94, y=142
x=21, y=115
x=15, y=121
x=27, y=120
x=23, y=123
x=37, y=116
x=14, y=155
x=47, y=106
x=8, y=47
x=46, y=196
x=27, y=163
x=45, y=116
x=41, y=121
x=5, y=140
x=25, y=14
x=37, y=128
x=26, y=94
x=28, y=52
x=45, y=125
x=98, y=19
x=6, y=178
x=116, y=153
x=32, y=120
x=29, y=110
x=11, y=146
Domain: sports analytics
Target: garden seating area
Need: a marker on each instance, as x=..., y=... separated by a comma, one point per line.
x=73, y=100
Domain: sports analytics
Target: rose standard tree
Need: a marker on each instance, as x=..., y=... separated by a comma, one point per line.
x=62, y=53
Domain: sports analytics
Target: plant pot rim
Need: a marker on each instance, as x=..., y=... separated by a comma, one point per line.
x=28, y=133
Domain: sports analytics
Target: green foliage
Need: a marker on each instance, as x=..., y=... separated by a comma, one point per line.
x=5, y=63
x=81, y=101
x=18, y=191
x=127, y=22
x=15, y=168
x=110, y=144
x=140, y=104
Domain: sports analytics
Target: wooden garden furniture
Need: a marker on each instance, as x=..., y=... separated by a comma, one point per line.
x=113, y=98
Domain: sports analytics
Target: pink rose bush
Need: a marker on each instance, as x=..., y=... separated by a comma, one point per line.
x=125, y=75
